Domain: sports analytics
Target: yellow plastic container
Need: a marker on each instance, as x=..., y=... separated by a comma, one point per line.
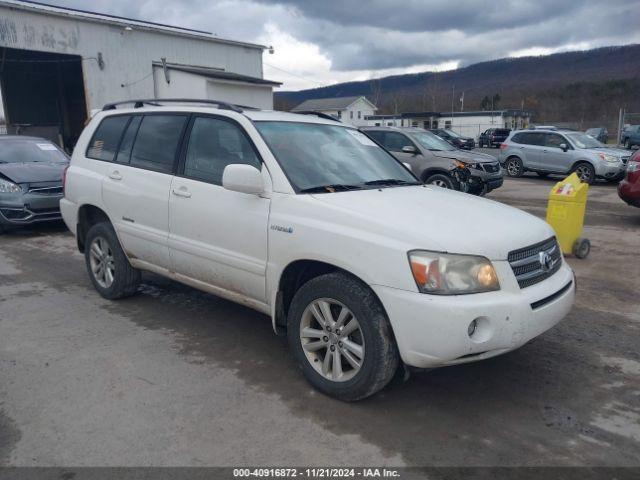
x=565, y=213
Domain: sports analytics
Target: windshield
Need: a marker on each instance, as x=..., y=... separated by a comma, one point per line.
x=329, y=158
x=452, y=133
x=29, y=151
x=582, y=140
x=432, y=142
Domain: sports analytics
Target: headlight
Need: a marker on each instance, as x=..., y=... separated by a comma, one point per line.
x=633, y=167
x=460, y=164
x=609, y=158
x=9, y=187
x=448, y=274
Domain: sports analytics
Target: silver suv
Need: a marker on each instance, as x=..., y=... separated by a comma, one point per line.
x=433, y=160
x=547, y=151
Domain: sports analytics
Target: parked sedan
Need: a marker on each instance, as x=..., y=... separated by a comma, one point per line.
x=454, y=138
x=31, y=171
x=493, y=137
x=436, y=162
x=562, y=152
x=599, y=133
x=629, y=187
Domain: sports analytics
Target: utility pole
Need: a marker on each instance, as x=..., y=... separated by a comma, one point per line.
x=453, y=95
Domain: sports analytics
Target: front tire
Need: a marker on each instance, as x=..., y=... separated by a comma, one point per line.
x=341, y=337
x=440, y=180
x=627, y=144
x=514, y=167
x=109, y=269
x=586, y=172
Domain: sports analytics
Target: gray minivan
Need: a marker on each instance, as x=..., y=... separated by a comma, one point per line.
x=561, y=151
x=434, y=160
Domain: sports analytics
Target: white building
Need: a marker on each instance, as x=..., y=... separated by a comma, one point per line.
x=58, y=64
x=469, y=124
x=351, y=110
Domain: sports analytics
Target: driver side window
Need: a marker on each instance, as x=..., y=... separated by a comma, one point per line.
x=214, y=144
x=394, y=141
x=554, y=140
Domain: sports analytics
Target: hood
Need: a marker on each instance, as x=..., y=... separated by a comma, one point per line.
x=32, y=172
x=466, y=156
x=620, y=152
x=433, y=218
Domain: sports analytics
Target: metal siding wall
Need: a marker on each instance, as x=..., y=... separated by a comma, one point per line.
x=128, y=56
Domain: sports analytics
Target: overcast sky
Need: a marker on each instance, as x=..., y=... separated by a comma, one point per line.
x=320, y=42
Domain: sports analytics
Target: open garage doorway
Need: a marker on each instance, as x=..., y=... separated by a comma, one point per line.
x=43, y=95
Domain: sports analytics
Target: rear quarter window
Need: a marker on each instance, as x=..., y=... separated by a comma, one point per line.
x=105, y=140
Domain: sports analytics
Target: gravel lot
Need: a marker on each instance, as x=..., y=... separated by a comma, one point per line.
x=173, y=376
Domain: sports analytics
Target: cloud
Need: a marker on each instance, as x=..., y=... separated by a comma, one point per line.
x=321, y=42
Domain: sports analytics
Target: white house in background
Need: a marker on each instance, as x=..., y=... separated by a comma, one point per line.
x=352, y=110
x=469, y=124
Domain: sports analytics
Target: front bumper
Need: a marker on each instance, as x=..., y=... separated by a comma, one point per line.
x=432, y=330
x=610, y=171
x=29, y=208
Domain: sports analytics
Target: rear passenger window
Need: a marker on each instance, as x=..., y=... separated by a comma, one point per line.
x=105, y=140
x=157, y=141
x=214, y=144
x=378, y=136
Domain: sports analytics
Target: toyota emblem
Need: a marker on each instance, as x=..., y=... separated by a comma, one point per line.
x=546, y=262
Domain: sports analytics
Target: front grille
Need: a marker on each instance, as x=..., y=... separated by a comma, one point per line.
x=527, y=265
x=491, y=167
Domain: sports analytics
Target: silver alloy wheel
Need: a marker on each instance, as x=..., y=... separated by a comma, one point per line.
x=439, y=183
x=584, y=173
x=513, y=168
x=102, y=262
x=332, y=339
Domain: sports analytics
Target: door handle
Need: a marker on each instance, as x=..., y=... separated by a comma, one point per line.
x=181, y=192
x=115, y=175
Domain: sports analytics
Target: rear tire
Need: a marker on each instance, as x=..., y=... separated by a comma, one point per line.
x=440, y=180
x=586, y=172
x=514, y=167
x=315, y=331
x=109, y=269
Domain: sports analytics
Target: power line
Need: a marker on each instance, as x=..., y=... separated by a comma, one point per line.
x=295, y=75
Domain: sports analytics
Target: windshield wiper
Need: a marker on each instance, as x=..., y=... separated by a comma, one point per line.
x=390, y=181
x=331, y=188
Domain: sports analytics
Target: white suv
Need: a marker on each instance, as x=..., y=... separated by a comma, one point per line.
x=309, y=221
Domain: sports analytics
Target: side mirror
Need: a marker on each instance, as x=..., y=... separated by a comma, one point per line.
x=409, y=149
x=243, y=179
x=564, y=147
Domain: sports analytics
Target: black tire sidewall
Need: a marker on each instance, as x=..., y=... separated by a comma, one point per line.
x=121, y=285
x=518, y=162
x=592, y=176
x=379, y=344
x=446, y=178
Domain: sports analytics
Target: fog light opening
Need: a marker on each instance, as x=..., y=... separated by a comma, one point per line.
x=472, y=328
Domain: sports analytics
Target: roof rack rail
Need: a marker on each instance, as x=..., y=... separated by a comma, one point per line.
x=326, y=116
x=157, y=102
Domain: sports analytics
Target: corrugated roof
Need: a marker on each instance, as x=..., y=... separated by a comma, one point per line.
x=324, y=104
x=218, y=74
x=46, y=8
